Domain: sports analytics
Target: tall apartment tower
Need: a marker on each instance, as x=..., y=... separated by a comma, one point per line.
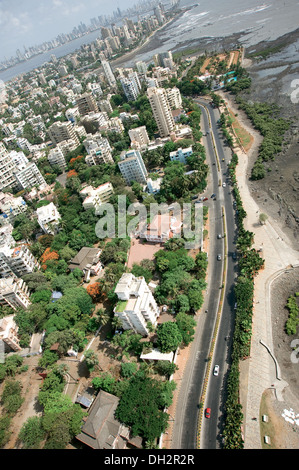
x=132, y=167
x=17, y=261
x=29, y=176
x=108, y=73
x=161, y=110
x=139, y=136
x=14, y=292
x=136, y=306
x=7, y=169
x=131, y=86
x=86, y=104
x=60, y=131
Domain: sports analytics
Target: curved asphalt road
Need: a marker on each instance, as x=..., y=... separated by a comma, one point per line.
x=186, y=422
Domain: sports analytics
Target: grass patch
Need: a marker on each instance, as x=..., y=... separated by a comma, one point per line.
x=242, y=135
x=266, y=428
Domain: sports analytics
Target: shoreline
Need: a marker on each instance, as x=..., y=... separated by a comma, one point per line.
x=129, y=55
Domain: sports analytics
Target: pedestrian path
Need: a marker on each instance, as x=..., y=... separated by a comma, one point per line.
x=278, y=256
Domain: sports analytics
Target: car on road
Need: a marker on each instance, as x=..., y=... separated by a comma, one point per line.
x=197, y=202
x=219, y=257
x=208, y=412
x=205, y=199
x=213, y=195
x=219, y=236
x=223, y=159
x=234, y=255
x=223, y=184
x=216, y=370
x=195, y=197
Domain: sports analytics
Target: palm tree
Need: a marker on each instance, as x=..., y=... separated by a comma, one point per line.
x=103, y=316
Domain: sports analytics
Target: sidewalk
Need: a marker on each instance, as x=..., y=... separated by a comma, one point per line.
x=278, y=255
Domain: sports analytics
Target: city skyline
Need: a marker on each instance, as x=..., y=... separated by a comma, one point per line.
x=25, y=24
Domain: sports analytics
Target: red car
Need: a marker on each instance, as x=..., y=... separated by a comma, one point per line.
x=208, y=412
x=205, y=199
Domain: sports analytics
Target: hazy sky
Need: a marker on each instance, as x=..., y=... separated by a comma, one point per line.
x=30, y=22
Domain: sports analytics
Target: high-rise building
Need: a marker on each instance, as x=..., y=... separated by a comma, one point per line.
x=29, y=176
x=136, y=306
x=56, y=157
x=7, y=169
x=174, y=97
x=98, y=149
x=131, y=86
x=161, y=110
x=108, y=73
x=132, y=167
x=11, y=206
x=86, y=104
x=60, y=131
x=139, y=136
x=17, y=261
x=14, y=292
x=141, y=67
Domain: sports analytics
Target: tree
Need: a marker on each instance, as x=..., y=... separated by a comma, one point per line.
x=32, y=433
x=139, y=408
x=91, y=360
x=95, y=291
x=186, y=325
x=263, y=218
x=169, y=337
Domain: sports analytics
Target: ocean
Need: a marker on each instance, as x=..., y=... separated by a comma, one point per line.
x=255, y=19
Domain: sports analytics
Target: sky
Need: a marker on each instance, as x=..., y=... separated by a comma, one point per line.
x=30, y=22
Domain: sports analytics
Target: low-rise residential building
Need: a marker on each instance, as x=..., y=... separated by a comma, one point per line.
x=102, y=431
x=181, y=155
x=161, y=228
x=88, y=261
x=48, y=218
x=94, y=197
x=136, y=306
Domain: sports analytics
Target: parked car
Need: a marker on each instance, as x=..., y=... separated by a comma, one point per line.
x=219, y=257
x=208, y=412
x=205, y=199
x=216, y=370
x=234, y=256
x=223, y=184
x=219, y=236
x=213, y=195
x=195, y=197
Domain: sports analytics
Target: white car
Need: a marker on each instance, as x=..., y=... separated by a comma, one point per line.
x=216, y=370
x=223, y=184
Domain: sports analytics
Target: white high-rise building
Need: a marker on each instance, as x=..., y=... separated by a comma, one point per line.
x=17, y=261
x=141, y=67
x=11, y=206
x=161, y=110
x=174, y=97
x=98, y=149
x=131, y=86
x=29, y=176
x=108, y=73
x=132, y=167
x=60, y=131
x=56, y=157
x=136, y=306
x=14, y=292
x=7, y=169
x=139, y=136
